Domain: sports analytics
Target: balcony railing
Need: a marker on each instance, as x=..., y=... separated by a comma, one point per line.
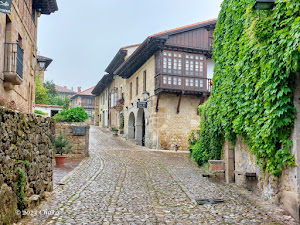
x=174, y=83
x=13, y=59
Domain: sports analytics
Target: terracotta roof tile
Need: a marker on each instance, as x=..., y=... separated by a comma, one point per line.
x=87, y=91
x=64, y=89
x=183, y=27
x=48, y=106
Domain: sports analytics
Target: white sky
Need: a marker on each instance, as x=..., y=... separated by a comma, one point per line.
x=83, y=36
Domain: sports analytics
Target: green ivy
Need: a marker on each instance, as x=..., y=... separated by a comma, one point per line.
x=20, y=189
x=256, y=61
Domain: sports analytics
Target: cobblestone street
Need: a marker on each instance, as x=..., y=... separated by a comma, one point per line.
x=121, y=183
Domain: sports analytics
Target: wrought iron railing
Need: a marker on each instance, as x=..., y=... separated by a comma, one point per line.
x=13, y=58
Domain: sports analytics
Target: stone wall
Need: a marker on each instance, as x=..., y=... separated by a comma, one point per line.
x=80, y=144
x=241, y=170
x=284, y=191
x=26, y=147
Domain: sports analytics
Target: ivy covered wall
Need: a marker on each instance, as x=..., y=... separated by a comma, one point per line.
x=256, y=62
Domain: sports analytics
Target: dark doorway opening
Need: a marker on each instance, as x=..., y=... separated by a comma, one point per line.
x=54, y=112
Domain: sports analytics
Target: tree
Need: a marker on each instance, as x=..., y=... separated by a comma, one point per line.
x=52, y=93
x=41, y=93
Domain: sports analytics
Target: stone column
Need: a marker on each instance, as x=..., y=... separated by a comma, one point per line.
x=139, y=134
x=130, y=133
x=228, y=151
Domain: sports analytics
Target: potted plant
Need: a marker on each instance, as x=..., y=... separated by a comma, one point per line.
x=114, y=130
x=61, y=146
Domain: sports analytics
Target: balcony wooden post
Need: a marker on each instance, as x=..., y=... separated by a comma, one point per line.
x=179, y=101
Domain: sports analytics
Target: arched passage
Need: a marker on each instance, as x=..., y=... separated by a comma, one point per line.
x=140, y=127
x=131, y=126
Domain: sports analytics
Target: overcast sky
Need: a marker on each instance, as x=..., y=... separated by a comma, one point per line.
x=83, y=36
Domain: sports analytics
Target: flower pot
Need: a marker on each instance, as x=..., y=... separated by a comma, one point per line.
x=60, y=159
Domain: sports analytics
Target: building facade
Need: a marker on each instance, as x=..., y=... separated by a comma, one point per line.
x=110, y=91
x=86, y=100
x=64, y=92
x=18, y=50
x=167, y=78
x=156, y=88
x=49, y=110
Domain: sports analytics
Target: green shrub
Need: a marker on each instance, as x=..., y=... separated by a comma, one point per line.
x=39, y=112
x=72, y=115
x=59, y=118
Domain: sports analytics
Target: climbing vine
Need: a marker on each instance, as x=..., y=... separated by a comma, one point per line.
x=256, y=62
x=20, y=189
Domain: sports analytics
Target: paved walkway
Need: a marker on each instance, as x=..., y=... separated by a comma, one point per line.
x=121, y=183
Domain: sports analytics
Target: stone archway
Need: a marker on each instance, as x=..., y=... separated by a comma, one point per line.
x=131, y=126
x=140, y=127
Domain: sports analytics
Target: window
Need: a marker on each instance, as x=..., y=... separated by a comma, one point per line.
x=175, y=81
x=130, y=91
x=169, y=65
x=89, y=113
x=192, y=82
x=145, y=80
x=112, y=100
x=187, y=67
x=165, y=64
x=179, y=81
x=172, y=63
x=169, y=80
x=196, y=83
x=137, y=86
x=187, y=82
x=186, y=64
x=164, y=79
x=201, y=83
x=89, y=101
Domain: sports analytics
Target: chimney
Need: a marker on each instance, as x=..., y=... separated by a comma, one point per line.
x=79, y=89
x=72, y=88
x=65, y=87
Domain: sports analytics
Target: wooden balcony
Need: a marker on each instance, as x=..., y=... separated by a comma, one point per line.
x=191, y=85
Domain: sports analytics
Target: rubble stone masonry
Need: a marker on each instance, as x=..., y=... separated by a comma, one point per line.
x=80, y=144
x=26, y=153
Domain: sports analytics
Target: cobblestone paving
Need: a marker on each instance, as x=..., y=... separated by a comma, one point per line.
x=121, y=183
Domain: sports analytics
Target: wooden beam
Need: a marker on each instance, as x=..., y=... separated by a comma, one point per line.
x=179, y=101
x=157, y=102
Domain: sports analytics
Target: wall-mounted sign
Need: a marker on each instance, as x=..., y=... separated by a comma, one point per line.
x=79, y=131
x=5, y=6
x=141, y=105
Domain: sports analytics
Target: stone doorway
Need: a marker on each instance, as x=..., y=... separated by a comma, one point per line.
x=140, y=127
x=131, y=126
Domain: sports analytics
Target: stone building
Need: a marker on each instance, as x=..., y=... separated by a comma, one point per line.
x=86, y=100
x=18, y=49
x=164, y=81
x=101, y=91
x=64, y=92
x=109, y=92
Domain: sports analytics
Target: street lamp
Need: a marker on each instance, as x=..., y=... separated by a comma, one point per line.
x=42, y=65
x=264, y=5
x=146, y=95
